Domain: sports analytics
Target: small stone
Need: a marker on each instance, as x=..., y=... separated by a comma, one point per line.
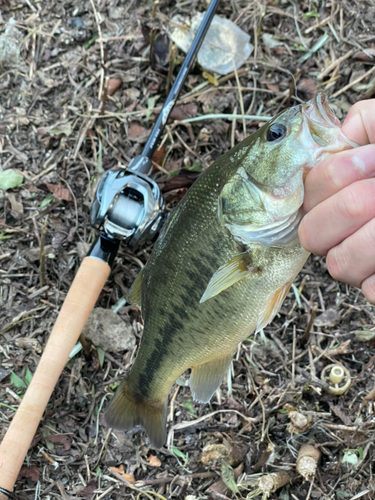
x=328, y=318
x=113, y=85
x=107, y=330
x=76, y=23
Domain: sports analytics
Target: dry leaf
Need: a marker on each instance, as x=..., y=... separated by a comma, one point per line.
x=153, y=461
x=159, y=155
x=15, y=204
x=368, y=56
x=59, y=191
x=308, y=85
x=32, y=472
x=120, y=470
x=135, y=130
x=273, y=87
x=211, y=78
x=183, y=112
x=63, y=439
x=88, y=491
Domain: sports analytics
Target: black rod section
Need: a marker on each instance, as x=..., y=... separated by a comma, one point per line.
x=104, y=248
x=179, y=82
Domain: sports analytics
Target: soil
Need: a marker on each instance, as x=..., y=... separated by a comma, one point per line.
x=80, y=88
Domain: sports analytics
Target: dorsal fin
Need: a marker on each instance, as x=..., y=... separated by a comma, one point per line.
x=135, y=294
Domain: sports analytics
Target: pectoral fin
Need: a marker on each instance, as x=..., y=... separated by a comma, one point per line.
x=135, y=294
x=227, y=275
x=206, y=378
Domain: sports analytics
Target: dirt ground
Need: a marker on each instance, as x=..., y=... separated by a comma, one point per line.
x=80, y=86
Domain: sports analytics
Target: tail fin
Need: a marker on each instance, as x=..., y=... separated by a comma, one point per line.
x=125, y=412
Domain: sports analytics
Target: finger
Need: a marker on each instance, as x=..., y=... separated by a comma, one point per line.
x=336, y=218
x=336, y=172
x=353, y=260
x=368, y=289
x=359, y=125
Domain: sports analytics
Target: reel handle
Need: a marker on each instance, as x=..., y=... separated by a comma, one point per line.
x=73, y=315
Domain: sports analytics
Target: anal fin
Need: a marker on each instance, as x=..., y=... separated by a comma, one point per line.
x=206, y=378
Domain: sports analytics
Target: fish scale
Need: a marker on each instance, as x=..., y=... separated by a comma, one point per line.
x=223, y=263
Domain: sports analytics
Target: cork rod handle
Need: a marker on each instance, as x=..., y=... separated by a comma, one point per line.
x=77, y=307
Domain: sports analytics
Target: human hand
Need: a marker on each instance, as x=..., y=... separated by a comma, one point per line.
x=340, y=205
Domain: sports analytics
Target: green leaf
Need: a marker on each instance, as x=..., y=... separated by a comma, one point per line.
x=364, y=335
x=60, y=128
x=50, y=445
x=76, y=349
x=342, y=494
x=47, y=430
x=312, y=13
x=17, y=381
x=360, y=453
x=4, y=236
x=28, y=376
x=195, y=167
x=189, y=406
x=173, y=173
x=10, y=179
x=227, y=475
x=350, y=457
x=284, y=495
x=179, y=453
x=101, y=356
x=91, y=42
x=47, y=200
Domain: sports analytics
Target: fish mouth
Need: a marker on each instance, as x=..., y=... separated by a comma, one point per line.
x=319, y=117
x=320, y=131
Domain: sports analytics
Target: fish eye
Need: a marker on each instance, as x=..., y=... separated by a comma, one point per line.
x=276, y=131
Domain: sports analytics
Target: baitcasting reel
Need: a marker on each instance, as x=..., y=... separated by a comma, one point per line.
x=128, y=204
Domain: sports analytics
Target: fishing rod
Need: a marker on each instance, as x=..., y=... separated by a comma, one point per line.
x=128, y=206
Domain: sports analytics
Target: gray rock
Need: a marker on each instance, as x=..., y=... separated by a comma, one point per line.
x=107, y=330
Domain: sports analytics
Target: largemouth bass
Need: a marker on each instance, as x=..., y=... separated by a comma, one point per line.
x=223, y=263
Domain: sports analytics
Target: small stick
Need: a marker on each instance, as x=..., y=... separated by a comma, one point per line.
x=318, y=25
x=186, y=146
x=334, y=64
x=241, y=100
x=233, y=135
x=169, y=479
x=305, y=336
x=294, y=357
x=104, y=96
x=42, y=256
x=101, y=48
x=354, y=82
